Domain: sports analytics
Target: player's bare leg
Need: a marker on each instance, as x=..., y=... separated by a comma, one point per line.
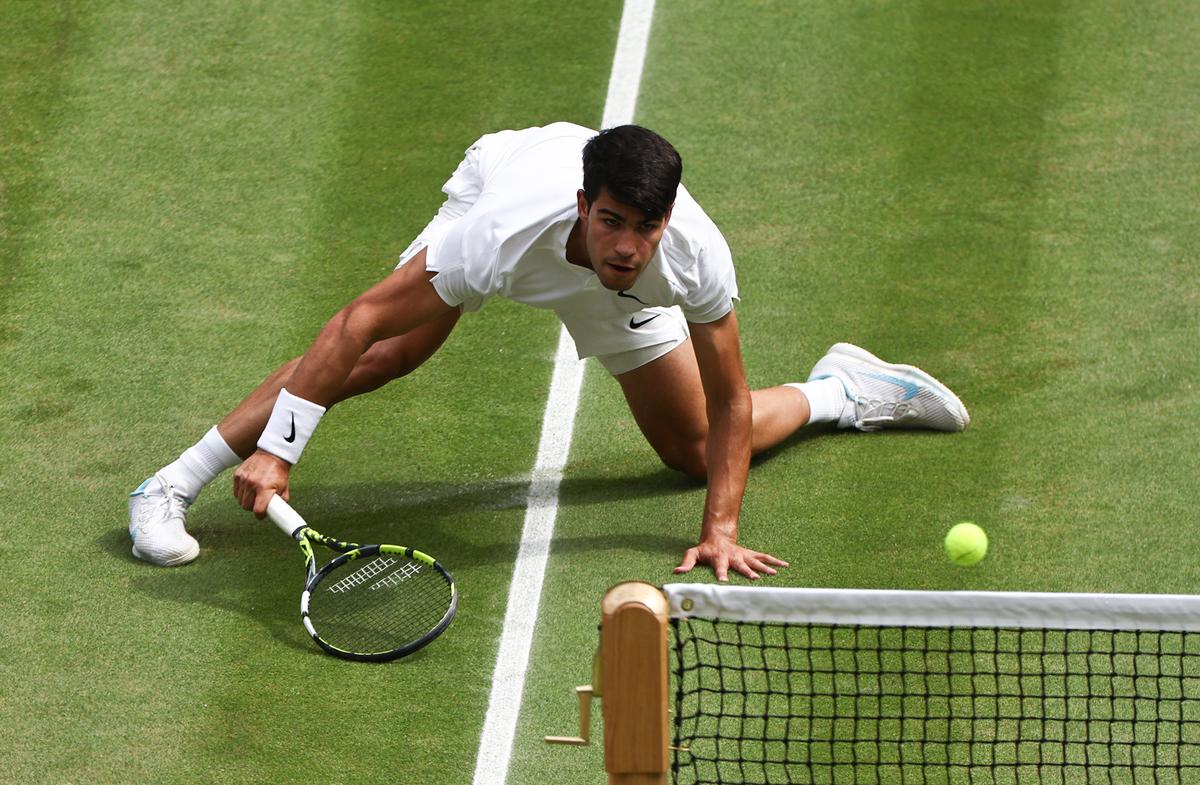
x=158, y=507
x=848, y=386
x=383, y=362
x=667, y=401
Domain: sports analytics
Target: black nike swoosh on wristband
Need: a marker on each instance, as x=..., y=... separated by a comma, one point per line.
x=291, y=437
x=634, y=324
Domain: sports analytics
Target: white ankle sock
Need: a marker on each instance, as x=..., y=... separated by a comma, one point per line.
x=199, y=465
x=826, y=399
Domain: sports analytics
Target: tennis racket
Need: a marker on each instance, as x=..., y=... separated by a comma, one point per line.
x=372, y=602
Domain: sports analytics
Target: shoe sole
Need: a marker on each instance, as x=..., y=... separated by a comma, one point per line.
x=909, y=372
x=183, y=558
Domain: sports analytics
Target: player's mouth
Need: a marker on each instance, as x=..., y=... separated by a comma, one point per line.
x=620, y=268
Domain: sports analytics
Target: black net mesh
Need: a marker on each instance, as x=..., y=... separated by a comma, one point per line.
x=833, y=705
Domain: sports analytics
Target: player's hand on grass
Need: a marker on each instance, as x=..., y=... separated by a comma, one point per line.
x=260, y=477
x=724, y=555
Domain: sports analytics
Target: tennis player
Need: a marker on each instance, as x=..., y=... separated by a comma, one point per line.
x=597, y=228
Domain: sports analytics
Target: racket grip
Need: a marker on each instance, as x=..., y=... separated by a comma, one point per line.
x=282, y=514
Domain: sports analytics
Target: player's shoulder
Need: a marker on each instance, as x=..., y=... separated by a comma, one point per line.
x=565, y=128
x=532, y=157
x=518, y=138
x=691, y=235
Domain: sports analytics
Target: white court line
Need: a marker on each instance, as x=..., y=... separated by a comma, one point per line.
x=524, y=594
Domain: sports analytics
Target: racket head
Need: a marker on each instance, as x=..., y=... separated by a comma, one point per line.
x=378, y=602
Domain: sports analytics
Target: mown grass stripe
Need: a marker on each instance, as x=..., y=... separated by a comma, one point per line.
x=520, y=618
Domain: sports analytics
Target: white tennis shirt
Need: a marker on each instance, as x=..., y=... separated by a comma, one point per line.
x=511, y=206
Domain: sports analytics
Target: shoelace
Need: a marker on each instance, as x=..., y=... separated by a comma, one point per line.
x=175, y=508
x=875, y=414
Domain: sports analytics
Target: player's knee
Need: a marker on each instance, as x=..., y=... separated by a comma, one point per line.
x=385, y=366
x=372, y=371
x=397, y=358
x=688, y=458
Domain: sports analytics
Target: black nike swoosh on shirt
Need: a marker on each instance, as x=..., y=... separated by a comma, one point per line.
x=291, y=437
x=624, y=293
x=635, y=324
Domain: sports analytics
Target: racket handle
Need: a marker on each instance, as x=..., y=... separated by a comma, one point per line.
x=282, y=514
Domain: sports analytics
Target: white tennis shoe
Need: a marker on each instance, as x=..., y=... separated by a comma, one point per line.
x=882, y=395
x=156, y=524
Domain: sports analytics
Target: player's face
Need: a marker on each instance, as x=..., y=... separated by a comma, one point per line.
x=620, y=239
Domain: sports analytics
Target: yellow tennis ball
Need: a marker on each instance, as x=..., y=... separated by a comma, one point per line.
x=966, y=544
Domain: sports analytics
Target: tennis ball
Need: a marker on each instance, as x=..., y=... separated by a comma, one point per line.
x=966, y=544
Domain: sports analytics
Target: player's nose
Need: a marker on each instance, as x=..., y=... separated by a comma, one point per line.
x=626, y=245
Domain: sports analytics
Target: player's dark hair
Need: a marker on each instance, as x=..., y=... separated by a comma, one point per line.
x=637, y=166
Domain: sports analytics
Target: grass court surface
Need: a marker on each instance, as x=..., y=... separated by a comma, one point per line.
x=1001, y=193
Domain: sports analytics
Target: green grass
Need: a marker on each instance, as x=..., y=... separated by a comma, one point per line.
x=900, y=178
x=1002, y=193
x=189, y=195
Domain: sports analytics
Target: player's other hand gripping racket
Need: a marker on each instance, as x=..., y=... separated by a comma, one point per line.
x=373, y=602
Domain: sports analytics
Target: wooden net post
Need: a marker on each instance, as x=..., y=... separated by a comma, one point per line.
x=633, y=650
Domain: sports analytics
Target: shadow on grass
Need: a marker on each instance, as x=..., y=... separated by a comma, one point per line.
x=247, y=569
x=251, y=580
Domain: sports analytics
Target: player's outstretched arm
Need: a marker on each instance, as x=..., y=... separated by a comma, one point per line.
x=399, y=303
x=730, y=422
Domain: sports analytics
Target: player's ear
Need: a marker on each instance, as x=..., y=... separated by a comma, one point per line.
x=666, y=219
x=581, y=198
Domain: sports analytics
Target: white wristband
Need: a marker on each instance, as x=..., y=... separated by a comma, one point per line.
x=292, y=422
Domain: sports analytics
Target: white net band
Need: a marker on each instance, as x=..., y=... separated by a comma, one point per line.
x=885, y=608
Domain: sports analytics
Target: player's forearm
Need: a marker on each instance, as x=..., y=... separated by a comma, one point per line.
x=728, y=458
x=328, y=362
x=396, y=305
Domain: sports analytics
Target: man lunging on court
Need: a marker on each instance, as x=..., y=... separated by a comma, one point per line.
x=598, y=228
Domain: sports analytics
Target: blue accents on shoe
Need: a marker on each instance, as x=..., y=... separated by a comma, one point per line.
x=911, y=390
x=889, y=395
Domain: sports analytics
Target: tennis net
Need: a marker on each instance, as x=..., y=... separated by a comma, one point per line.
x=830, y=687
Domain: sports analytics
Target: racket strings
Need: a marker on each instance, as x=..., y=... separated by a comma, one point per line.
x=362, y=575
x=379, y=604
